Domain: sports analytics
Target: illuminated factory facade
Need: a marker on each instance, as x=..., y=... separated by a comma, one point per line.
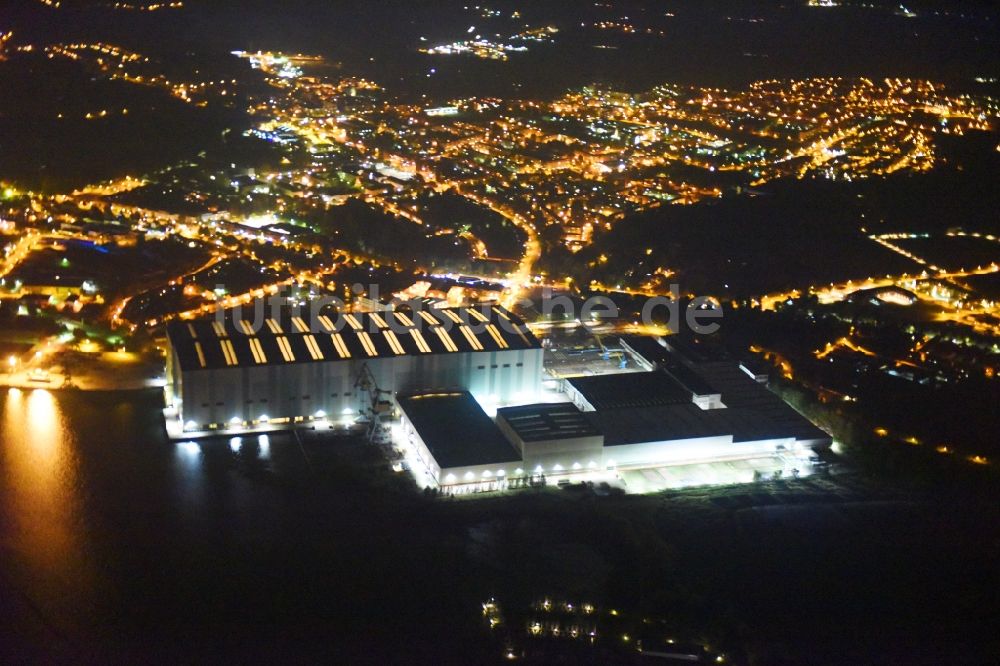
x=231, y=373
x=461, y=389
x=680, y=421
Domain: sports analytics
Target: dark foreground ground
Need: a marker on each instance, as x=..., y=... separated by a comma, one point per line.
x=115, y=544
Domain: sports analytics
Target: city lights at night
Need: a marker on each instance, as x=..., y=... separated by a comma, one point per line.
x=578, y=332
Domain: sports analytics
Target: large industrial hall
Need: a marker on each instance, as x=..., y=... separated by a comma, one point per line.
x=710, y=422
x=459, y=391
x=231, y=374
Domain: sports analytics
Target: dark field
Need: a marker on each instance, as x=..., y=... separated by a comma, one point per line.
x=955, y=253
x=987, y=286
x=796, y=234
x=502, y=239
x=362, y=228
x=41, y=150
x=110, y=267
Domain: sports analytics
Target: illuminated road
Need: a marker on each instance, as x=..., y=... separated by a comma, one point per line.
x=521, y=278
x=838, y=292
x=21, y=250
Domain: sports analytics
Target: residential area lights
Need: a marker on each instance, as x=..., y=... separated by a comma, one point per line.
x=557, y=169
x=575, y=162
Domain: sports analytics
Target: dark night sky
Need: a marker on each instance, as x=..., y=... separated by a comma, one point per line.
x=710, y=43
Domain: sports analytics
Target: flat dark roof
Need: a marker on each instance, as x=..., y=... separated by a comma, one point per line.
x=542, y=422
x=631, y=389
x=753, y=412
x=456, y=430
x=741, y=392
x=639, y=425
x=656, y=354
x=690, y=379
x=696, y=348
x=648, y=347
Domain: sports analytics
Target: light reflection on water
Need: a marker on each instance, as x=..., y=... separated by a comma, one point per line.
x=108, y=527
x=38, y=455
x=43, y=530
x=191, y=454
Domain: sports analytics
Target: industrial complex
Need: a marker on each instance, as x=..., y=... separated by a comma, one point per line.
x=464, y=396
x=228, y=373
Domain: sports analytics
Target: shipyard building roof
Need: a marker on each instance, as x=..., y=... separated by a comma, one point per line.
x=630, y=389
x=456, y=430
x=308, y=337
x=547, y=421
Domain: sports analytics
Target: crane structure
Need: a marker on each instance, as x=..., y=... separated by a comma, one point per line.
x=377, y=406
